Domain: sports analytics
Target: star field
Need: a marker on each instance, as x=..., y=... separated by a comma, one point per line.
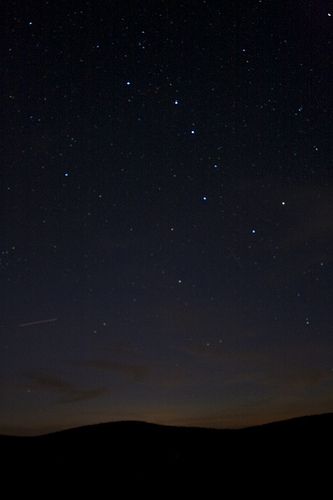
x=166, y=212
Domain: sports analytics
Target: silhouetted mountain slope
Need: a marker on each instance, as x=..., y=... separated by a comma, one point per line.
x=138, y=451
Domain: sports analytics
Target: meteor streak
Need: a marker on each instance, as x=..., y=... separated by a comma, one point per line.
x=39, y=322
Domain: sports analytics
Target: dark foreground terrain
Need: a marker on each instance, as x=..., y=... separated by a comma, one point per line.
x=136, y=453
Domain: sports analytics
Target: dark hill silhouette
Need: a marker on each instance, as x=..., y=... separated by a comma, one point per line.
x=143, y=452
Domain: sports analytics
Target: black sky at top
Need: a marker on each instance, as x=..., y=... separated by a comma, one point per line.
x=166, y=198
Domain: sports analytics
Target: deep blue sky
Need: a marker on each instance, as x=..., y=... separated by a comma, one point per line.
x=166, y=212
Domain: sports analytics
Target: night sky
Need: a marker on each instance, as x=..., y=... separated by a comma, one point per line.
x=166, y=212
